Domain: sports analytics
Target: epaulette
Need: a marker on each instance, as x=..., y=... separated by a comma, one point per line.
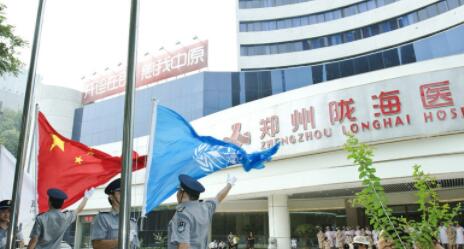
x=104, y=212
x=41, y=214
x=66, y=211
x=180, y=209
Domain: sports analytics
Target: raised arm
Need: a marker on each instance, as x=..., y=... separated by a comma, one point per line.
x=87, y=195
x=225, y=191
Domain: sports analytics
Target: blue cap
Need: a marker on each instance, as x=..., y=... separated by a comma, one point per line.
x=191, y=184
x=113, y=186
x=57, y=194
x=5, y=204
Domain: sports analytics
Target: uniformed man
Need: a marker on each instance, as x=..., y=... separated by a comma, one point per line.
x=105, y=227
x=5, y=212
x=50, y=227
x=189, y=227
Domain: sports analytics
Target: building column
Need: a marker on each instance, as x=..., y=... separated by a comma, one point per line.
x=352, y=213
x=279, y=220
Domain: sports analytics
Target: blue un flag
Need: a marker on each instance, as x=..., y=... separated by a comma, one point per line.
x=175, y=148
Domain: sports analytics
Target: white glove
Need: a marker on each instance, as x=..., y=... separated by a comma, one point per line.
x=231, y=179
x=89, y=192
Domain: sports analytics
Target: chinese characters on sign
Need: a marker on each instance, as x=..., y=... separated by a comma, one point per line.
x=339, y=110
x=436, y=95
x=377, y=112
x=170, y=64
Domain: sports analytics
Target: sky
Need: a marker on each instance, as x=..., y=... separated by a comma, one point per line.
x=80, y=37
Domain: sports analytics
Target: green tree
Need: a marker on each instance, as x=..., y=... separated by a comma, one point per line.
x=10, y=125
x=9, y=43
x=403, y=232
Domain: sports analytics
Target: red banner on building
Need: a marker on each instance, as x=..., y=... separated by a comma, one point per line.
x=171, y=63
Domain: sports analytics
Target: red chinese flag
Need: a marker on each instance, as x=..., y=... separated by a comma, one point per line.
x=71, y=166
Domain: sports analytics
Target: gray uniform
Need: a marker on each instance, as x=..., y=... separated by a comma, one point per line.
x=4, y=234
x=190, y=224
x=106, y=227
x=49, y=228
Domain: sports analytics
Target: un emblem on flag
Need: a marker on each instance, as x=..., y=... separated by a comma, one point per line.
x=214, y=157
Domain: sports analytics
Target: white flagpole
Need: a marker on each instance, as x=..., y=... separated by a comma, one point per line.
x=25, y=128
x=127, y=139
x=150, y=154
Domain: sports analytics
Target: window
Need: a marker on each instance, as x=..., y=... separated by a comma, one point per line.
x=335, y=39
x=282, y=48
x=346, y=68
x=432, y=10
x=243, y=51
x=407, y=54
x=305, y=20
x=388, y=26
x=350, y=10
x=371, y=4
x=320, y=18
x=296, y=22
x=384, y=27
x=374, y=28
x=366, y=32
x=402, y=21
x=348, y=36
x=375, y=61
x=390, y=58
x=328, y=16
x=298, y=46
x=412, y=18
x=243, y=27
x=380, y=3
x=272, y=25
x=338, y=13
x=306, y=45
x=281, y=24
x=317, y=73
x=422, y=14
x=333, y=70
x=361, y=65
x=288, y=23
x=256, y=26
x=265, y=26
x=274, y=49
x=441, y=6
x=317, y=43
x=362, y=7
x=312, y=19
x=452, y=4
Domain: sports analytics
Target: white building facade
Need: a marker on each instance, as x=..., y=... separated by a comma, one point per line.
x=389, y=71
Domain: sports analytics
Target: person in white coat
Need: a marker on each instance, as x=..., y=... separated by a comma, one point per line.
x=328, y=236
x=459, y=236
x=443, y=236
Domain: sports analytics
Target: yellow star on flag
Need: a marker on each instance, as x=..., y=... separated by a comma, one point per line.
x=78, y=160
x=57, y=142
